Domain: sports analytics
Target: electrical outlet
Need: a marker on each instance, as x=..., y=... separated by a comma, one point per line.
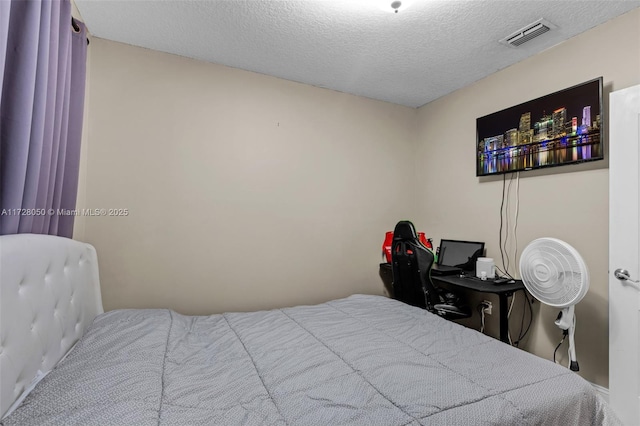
x=488, y=307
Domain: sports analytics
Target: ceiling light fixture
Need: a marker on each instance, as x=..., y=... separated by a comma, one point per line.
x=394, y=6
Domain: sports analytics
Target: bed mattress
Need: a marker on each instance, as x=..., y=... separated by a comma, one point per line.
x=363, y=360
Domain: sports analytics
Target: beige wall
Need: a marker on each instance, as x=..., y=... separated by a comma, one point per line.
x=570, y=203
x=244, y=191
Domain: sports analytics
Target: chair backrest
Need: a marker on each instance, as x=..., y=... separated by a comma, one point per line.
x=411, y=264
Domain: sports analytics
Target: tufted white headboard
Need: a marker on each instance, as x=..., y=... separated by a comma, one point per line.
x=49, y=295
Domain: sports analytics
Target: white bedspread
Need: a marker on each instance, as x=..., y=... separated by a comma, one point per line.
x=363, y=360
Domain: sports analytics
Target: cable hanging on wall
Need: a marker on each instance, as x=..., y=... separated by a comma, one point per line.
x=508, y=238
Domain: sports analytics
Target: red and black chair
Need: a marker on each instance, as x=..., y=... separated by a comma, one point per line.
x=411, y=264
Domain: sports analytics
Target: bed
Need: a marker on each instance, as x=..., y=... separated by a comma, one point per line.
x=361, y=360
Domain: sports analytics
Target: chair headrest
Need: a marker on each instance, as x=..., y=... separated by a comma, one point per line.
x=404, y=231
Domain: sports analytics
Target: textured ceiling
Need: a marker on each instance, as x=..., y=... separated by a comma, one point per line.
x=410, y=58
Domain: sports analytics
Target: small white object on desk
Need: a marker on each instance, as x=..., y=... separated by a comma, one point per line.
x=485, y=268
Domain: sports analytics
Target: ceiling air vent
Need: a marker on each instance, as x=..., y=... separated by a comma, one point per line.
x=527, y=33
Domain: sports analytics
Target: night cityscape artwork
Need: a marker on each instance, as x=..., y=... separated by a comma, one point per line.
x=561, y=128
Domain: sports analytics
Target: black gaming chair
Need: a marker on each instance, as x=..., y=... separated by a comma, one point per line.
x=411, y=264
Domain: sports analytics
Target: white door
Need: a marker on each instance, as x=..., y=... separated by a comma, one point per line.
x=624, y=253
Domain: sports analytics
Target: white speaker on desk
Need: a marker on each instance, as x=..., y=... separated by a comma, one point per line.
x=485, y=268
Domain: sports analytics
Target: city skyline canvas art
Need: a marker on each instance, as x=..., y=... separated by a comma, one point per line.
x=561, y=128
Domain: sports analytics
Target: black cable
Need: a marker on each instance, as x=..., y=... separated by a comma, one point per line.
x=523, y=331
x=500, y=243
x=506, y=234
x=564, y=336
x=503, y=274
x=504, y=182
x=521, y=337
x=524, y=311
x=514, y=238
x=515, y=225
x=522, y=334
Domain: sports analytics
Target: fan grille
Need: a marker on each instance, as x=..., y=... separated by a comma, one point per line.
x=554, y=272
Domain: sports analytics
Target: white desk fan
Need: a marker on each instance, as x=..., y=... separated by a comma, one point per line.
x=555, y=274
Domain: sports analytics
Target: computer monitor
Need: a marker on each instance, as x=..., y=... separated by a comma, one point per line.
x=461, y=254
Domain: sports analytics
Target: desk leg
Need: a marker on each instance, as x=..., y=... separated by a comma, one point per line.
x=504, y=318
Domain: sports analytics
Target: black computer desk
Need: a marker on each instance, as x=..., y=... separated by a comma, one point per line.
x=502, y=290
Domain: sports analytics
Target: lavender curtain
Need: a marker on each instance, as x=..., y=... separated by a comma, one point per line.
x=43, y=59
